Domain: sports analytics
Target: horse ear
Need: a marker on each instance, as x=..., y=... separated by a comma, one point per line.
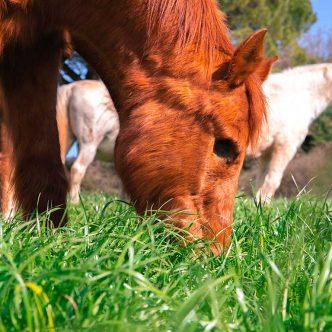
x=247, y=58
x=264, y=69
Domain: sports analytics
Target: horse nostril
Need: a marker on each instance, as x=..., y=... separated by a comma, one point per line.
x=226, y=149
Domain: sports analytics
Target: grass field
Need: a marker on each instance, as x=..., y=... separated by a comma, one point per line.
x=109, y=270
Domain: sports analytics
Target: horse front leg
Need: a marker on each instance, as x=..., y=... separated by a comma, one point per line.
x=282, y=154
x=29, y=76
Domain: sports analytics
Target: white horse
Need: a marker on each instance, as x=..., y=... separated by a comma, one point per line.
x=86, y=112
x=296, y=98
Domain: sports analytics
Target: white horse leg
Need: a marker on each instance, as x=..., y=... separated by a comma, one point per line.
x=85, y=157
x=280, y=158
x=263, y=163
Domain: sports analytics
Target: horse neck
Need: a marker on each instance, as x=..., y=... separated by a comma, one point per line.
x=323, y=90
x=318, y=83
x=118, y=51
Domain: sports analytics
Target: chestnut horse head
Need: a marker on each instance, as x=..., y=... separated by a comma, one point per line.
x=188, y=102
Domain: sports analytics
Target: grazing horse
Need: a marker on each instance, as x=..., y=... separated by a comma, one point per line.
x=296, y=98
x=188, y=102
x=86, y=112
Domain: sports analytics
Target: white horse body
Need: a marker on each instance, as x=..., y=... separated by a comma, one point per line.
x=86, y=112
x=296, y=97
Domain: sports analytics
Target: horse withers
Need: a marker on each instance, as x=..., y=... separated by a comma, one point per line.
x=188, y=103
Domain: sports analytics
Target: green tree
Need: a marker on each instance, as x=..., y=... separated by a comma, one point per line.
x=286, y=21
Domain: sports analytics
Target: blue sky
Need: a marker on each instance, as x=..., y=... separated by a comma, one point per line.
x=323, y=10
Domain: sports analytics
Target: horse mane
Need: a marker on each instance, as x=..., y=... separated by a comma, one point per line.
x=257, y=108
x=191, y=22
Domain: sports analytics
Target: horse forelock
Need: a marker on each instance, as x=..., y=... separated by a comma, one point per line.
x=201, y=23
x=192, y=22
x=257, y=108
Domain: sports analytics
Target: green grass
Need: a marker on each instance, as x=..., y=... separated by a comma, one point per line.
x=110, y=270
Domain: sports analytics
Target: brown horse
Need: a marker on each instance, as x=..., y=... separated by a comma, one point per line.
x=188, y=102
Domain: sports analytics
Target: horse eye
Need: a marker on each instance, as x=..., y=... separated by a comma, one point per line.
x=226, y=149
